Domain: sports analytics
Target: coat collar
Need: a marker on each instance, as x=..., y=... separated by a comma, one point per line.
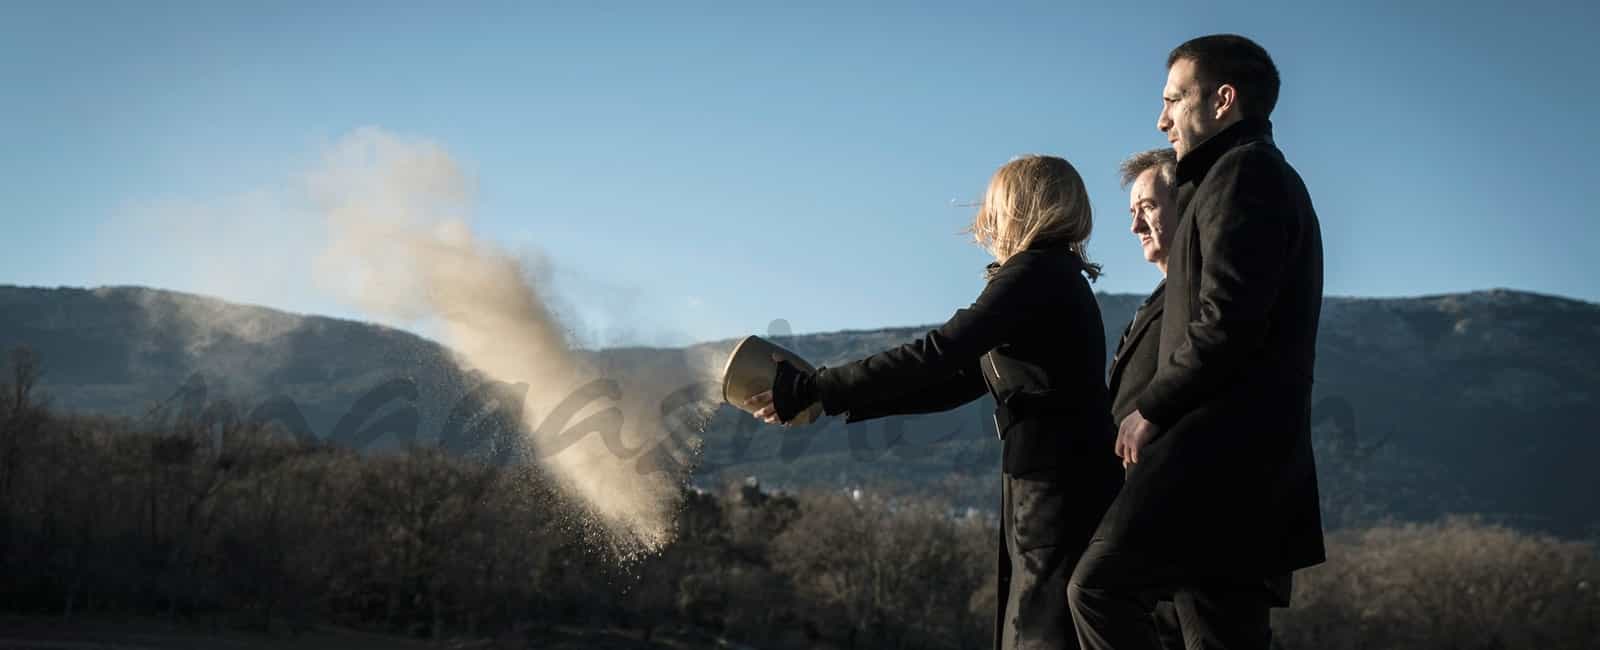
x=1194, y=166
x=1155, y=295
x=1038, y=247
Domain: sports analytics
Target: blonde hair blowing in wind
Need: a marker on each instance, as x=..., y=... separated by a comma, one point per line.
x=1035, y=199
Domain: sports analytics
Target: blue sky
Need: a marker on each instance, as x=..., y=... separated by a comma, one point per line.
x=696, y=170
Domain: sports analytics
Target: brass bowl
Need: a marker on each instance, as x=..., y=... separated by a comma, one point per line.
x=750, y=370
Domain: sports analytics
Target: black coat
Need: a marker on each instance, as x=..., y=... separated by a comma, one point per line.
x=1228, y=488
x=1135, y=362
x=1034, y=340
x=1138, y=354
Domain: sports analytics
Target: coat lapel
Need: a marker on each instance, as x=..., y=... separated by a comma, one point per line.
x=1147, y=314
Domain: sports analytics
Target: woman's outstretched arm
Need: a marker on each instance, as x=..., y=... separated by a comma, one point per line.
x=950, y=392
x=952, y=348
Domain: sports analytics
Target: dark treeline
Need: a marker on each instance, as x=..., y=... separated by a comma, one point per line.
x=210, y=520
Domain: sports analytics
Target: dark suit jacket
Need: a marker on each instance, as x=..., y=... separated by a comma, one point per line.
x=1135, y=362
x=1228, y=488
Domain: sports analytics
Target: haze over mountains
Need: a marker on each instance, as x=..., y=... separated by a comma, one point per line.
x=1476, y=402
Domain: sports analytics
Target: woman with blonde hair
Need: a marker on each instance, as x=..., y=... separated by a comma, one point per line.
x=1033, y=340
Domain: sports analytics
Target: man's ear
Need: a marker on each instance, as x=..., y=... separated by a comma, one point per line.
x=1225, y=99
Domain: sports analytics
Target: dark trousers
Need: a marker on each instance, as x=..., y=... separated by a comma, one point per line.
x=1169, y=631
x=1113, y=594
x=1201, y=619
x=1047, y=519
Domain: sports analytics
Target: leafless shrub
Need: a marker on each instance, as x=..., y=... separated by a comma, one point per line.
x=1458, y=583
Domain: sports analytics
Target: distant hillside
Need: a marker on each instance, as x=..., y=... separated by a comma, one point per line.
x=1455, y=403
x=123, y=350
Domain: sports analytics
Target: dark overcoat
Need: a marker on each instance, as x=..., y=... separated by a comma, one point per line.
x=1034, y=340
x=1228, y=488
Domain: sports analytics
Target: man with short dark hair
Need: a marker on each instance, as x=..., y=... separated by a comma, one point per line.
x=1221, y=491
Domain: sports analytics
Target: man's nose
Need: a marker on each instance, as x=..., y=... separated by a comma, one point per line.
x=1138, y=226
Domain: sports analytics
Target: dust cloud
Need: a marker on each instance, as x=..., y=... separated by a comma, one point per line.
x=401, y=248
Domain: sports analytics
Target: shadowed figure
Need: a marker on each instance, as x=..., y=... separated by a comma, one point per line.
x=1034, y=340
x=1220, y=501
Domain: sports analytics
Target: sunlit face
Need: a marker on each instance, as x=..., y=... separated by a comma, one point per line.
x=1188, y=114
x=1150, y=205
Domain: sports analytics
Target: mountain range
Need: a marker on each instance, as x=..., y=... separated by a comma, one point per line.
x=1472, y=402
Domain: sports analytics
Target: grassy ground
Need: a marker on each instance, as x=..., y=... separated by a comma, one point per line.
x=49, y=633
